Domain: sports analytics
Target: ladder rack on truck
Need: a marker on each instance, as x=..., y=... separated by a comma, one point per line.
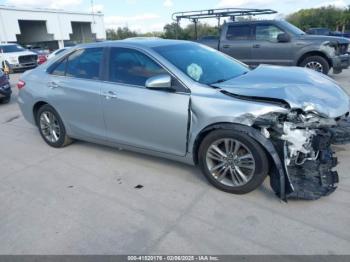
x=232, y=13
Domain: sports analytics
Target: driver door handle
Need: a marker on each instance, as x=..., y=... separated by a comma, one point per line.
x=110, y=95
x=256, y=46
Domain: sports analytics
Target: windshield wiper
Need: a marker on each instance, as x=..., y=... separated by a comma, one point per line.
x=219, y=81
x=224, y=80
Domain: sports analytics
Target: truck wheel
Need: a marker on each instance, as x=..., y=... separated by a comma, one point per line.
x=232, y=161
x=317, y=63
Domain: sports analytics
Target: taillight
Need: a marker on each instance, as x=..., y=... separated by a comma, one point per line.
x=41, y=59
x=20, y=84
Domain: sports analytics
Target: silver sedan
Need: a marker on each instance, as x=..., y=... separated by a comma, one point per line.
x=187, y=102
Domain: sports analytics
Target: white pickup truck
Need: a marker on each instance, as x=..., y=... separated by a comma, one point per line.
x=17, y=57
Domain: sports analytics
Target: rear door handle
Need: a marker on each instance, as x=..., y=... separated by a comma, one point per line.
x=256, y=46
x=226, y=46
x=110, y=95
x=53, y=85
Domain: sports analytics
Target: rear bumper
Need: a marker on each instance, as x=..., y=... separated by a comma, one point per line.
x=340, y=62
x=26, y=108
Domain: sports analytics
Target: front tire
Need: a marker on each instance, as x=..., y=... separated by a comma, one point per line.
x=51, y=127
x=316, y=63
x=232, y=161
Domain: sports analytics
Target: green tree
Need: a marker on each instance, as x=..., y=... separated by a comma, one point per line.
x=329, y=17
x=188, y=33
x=344, y=20
x=120, y=33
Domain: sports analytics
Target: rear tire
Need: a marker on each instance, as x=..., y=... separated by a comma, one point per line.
x=316, y=63
x=234, y=176
x=51, y=127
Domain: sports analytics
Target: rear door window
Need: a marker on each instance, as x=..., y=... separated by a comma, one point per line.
x=238, y=32
x=85, y=63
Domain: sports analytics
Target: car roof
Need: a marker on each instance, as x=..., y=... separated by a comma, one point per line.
x=135, y=42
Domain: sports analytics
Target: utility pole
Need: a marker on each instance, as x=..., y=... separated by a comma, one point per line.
x=92, y=11
x=93, y=20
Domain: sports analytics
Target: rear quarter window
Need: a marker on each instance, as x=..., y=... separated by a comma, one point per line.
x=82, y=63
x=60, y=68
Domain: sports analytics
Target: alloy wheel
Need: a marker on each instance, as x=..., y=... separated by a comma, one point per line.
x=230, y=162
x=50, y=127
x=314, y=65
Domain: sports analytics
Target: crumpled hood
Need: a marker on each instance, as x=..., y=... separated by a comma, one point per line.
x=301, y=88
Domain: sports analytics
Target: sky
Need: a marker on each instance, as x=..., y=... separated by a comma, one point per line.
x=152, y=15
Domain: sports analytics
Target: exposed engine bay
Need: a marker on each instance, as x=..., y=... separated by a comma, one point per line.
x=304, y=144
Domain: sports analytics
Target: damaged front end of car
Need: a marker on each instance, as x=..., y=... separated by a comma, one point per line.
x=315, y=117
x=303, y=139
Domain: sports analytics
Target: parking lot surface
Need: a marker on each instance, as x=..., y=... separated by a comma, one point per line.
x=90, y=199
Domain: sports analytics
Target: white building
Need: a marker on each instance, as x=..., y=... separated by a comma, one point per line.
x=50, y=28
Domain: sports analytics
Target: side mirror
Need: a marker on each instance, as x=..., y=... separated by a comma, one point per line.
x=283, y=38
x=159, y=82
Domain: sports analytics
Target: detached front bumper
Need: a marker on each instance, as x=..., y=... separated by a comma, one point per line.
x=340, y=62
x=309, y=170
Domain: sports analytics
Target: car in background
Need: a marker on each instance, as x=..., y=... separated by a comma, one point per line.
x=278, y=42
x=41, y=52
x=188, y=102
x=17, y=57
x=5, y=88
x=56, y=52
x=326, y=31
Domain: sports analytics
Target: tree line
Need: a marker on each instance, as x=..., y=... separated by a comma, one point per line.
x=337, y=19
x=333, y=18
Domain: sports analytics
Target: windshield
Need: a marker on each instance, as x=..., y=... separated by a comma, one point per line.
x=202, y=64
x=292, y=28
x=11, y=48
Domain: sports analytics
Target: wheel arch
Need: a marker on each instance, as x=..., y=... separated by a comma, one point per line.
x=314, y=53
x=36, y=108
x=208, y=129
x=267, y=145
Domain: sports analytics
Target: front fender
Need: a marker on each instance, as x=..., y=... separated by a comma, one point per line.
x=324, y=49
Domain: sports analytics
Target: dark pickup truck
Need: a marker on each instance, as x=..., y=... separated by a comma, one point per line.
x=281, y=43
